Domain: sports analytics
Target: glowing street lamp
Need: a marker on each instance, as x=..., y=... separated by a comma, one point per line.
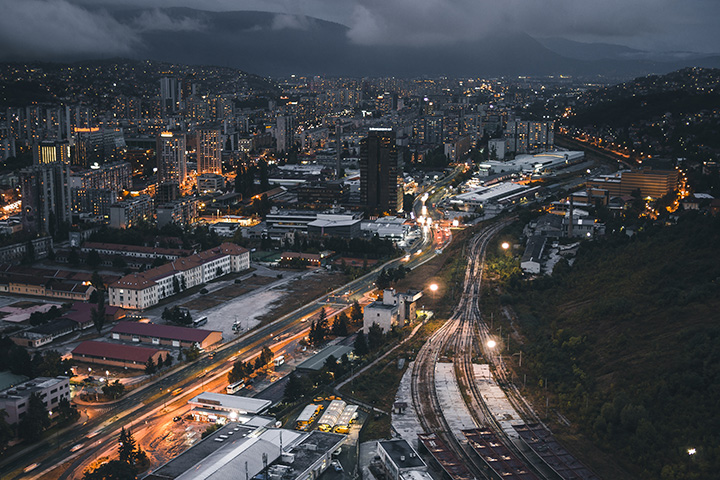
x=691, y=451
x=433, y=288
x=491, y=343
x=505, y=245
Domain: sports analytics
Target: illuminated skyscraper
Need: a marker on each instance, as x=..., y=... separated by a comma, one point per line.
x=380, y=188
x=171, y=162
x=209, y=159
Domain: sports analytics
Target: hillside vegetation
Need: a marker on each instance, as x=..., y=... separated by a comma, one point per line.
x=628, y=340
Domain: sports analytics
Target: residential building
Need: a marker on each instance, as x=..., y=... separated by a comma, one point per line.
x=145, y=289
x=531, y=259
x=210, y=182
x=15, y=400
x=165, y=335
x=285, y=132
x=14, y=254
x=171, y=158
x=46, y=200
x=386, y=316
x=130, y=212
x=135, y=250
x=117, y=355
x=380, y=184
x=528, y=136
x=183, y=212
x=209, y=148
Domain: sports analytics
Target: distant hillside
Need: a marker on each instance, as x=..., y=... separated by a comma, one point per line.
x=280, y=45
x=629, y=341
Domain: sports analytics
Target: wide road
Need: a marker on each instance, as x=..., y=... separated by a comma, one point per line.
x=146, y=402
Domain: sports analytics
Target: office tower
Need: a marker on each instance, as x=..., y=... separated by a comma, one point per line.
x=170, y=95
x=285, y=132
x=380, y=188
x=46, y=201
x=51, y=152
x=209, y=158
x=171, y=162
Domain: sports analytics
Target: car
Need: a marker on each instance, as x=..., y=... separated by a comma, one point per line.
x=337, y=466
x=337, y=452
x=203, y=291
x=31, y=467
x=177, y=419
x=77, y=447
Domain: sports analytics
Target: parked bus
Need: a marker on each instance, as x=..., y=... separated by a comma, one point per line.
x=235, y=387
x=199, y=322
x=279, y=360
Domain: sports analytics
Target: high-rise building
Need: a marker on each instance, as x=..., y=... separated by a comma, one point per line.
x=285, y=132
x=528, y=137
x=380, y=187
x=96, y=146
x=132, y=211
x=171, y=160
x=46, y=200
x=170, y=94
x=209, y=151
x=51, y=152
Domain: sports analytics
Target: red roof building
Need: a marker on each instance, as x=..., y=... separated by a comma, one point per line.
x=114, y=354
x=169, y=335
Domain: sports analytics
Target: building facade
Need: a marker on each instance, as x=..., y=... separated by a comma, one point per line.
x=380, y=188
x=171, y=158
x=209, y=151
x=15, y=401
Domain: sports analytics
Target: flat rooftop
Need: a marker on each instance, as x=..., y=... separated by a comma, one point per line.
x=220, y=401
x=317, y=361
x=402, y=454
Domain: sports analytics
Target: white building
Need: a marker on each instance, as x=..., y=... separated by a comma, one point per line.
x=15, y=400
x=129, y=212
x=143, y=290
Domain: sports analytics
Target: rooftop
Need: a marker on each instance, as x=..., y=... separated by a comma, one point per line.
x=171, y=332
x=317, y=361
x=220, y=401
x=402, y=454
x=115, y=351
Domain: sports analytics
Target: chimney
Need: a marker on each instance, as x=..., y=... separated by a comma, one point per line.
x=570, y=218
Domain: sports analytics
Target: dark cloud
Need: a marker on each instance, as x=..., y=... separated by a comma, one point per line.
x=66, y=28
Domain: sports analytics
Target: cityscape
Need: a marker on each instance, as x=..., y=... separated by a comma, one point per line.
x=347, y=241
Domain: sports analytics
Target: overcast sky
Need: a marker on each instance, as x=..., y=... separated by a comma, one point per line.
x=45, y=28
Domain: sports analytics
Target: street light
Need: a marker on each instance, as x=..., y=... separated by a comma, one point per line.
x=433, y=288
x=505, y=245
x=491, y=343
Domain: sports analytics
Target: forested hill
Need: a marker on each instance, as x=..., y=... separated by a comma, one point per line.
x=628, y=339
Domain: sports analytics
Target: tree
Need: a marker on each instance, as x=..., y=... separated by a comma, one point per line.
x=375, y=337
x=168, y=360
x=67, y=413
x=150, y=366
x=360, y=347
x=73, y=257
x=97, y=281
x=97, y=314
x=160, y=362
x=6, y=432
x=35, y=421
x=340, y=326
x=239, y=371
x=127, y=450
x=356, y=313
x=112, y=470
x=296, y=388
x=93, y=259
x=176, y=285
x=218, y=272
x=114, y=390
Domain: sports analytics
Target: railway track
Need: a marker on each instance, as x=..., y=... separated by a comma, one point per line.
x=464, y=334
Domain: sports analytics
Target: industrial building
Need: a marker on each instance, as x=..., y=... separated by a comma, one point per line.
x=117, y=355
x=398, y=457
x=221, y=408
x=165, y=335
